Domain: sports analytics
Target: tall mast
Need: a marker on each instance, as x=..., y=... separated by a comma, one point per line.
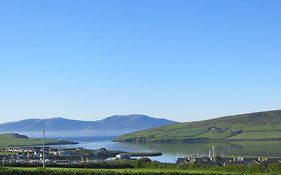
x=214, y=155
x=43, y=139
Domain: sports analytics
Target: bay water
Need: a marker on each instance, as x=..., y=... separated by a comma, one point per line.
x=172, y=151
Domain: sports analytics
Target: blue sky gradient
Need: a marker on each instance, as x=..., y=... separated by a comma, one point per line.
x=184, y=60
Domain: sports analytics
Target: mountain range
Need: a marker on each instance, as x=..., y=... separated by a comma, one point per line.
x=258, y=126
x=110, y=126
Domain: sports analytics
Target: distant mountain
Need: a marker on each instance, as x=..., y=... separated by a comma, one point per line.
x=111, y=126
x=259, y=126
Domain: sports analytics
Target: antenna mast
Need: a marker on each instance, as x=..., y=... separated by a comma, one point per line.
x=43, y=139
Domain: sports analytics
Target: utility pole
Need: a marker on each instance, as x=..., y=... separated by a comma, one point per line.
x=43, y=139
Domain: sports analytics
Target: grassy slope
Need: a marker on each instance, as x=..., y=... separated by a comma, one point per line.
x=159, y=169
x=18, y=140
x=142, y=171
x=261, y=125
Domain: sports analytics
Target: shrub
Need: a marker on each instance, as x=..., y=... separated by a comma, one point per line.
x=274, y=168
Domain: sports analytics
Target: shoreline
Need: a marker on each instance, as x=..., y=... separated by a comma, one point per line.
x=190, y=141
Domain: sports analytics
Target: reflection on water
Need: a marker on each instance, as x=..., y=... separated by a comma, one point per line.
x=172, y=151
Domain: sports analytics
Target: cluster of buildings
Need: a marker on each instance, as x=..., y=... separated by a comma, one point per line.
x=212, y=159
x=223, y=161
x=224, y=130
x=34, y=155
x=25, y=154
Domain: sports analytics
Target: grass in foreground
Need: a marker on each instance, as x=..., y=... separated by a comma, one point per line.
x=81, y=171
x=142, y=167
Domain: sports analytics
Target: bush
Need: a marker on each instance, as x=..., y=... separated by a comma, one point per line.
x=235, y=168
x=274, y=168
x=254, y=169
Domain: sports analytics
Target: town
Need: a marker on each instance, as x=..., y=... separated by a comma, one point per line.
x=35, y=155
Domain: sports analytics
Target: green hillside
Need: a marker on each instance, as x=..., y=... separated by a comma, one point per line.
x=253, y=126
x=12, y=139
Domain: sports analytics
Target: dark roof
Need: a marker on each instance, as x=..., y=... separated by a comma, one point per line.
x=272, y=160
x=222, y=161
x=251, y=160
x=244, y=161
x=202, y=159
x=207, y=163
x=236, y=163
x=180, y=160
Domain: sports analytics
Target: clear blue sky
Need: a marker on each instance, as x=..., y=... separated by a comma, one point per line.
x=184, y=60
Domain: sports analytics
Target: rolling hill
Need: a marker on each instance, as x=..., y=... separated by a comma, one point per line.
x=253, y=126
x=111, y=126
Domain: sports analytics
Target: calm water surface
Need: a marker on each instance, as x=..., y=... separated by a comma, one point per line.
x=172, y=151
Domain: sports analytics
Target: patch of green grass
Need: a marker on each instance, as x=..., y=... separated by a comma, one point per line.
x=277, y=127
x=214, y=135
x=6, y=153
x=258, y=135
x=140, y=171
x=7, y=140
x=23, y=142
x=266, y=127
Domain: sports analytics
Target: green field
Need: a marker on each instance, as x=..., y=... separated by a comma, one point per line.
x=149, y=168
x=80, y=171
x=140, y=167
x=258, y=135
x=12, y=139
x=6, y=153
x=253, y=126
